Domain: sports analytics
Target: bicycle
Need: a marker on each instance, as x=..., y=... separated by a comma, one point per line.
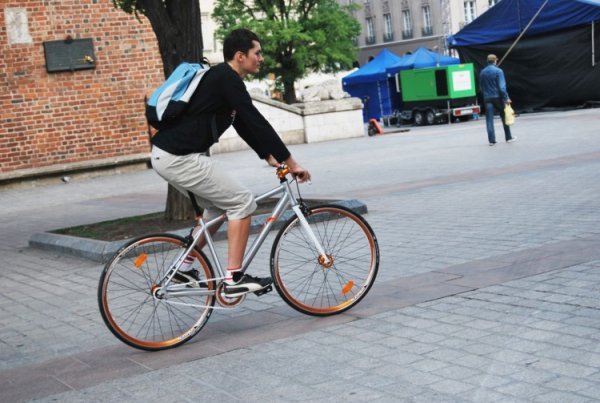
x=323, y=261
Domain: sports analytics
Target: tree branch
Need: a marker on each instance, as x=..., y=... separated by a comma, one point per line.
x=309, y=5
x=245, y=6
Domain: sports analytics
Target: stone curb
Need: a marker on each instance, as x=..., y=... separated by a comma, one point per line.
x=101, y=251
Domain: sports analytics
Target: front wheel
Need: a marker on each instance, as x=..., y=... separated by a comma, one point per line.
x=319, y=287
x=140, y=309
x=419, y=118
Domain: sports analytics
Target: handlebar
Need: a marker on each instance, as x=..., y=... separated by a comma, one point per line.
x=282, y=171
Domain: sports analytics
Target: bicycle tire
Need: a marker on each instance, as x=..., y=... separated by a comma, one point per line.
x=304, y=282
x=127, y=303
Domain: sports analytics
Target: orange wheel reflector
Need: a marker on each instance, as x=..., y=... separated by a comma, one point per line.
x=348, y=287
x=139, y=261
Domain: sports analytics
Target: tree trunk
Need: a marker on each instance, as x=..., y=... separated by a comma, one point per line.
x=180, y=206
x=289, y=93
x=178, y=29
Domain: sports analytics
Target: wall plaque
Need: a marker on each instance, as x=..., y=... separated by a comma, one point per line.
x=69, y=55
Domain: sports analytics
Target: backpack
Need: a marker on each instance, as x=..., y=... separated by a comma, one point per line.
x=171, y=99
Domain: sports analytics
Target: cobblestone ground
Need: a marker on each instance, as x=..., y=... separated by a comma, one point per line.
x=528, y=340
x=437, y=197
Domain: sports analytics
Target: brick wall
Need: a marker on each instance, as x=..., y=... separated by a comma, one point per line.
x=72, y=117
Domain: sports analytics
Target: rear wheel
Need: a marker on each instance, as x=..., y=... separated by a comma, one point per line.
x=430, y=117
x=139, y=310
x=319, y=287
x=419, y=118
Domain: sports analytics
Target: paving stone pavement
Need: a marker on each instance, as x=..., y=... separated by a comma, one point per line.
x=488, y=285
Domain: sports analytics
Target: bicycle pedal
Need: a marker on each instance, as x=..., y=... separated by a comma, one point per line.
x=263, y=291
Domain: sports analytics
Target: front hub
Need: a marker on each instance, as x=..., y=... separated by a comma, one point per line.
x=326, y=261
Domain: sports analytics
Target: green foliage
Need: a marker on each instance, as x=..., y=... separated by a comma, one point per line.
x=130, y=7
x=297, y=36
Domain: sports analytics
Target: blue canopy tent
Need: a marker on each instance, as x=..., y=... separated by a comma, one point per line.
x=552, y=49
x=372, y=84
x=422, y=58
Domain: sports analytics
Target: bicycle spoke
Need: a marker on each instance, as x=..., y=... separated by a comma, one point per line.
x=137, y=308
x=323, y=288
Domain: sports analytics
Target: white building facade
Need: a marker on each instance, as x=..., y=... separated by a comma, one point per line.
x=402, y=26
x=213, y=49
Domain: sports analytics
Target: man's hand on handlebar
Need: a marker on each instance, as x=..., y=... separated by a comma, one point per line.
x=299, y=172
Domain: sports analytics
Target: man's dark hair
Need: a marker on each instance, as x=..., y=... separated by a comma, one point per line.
x=239, y=40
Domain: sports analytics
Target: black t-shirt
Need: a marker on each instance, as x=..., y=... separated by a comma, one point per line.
x=222, y=95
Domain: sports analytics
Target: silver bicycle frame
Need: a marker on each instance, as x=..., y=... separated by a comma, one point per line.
x=286, y=200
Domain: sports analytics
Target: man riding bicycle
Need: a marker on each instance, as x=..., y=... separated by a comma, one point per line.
x=179, y=152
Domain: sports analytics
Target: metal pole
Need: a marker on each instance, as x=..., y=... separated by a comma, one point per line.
x=522, y=33
x=593, y=46
x=380, y=100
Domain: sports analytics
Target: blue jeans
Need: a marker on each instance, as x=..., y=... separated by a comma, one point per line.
x=492, y=104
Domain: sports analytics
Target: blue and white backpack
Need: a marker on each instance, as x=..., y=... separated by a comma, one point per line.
x=171, y=99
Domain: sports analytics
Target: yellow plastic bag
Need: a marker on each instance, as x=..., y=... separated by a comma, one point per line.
x=509, y=115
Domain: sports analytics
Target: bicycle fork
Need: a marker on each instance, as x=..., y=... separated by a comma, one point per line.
x=324, y=259
x=286, y=200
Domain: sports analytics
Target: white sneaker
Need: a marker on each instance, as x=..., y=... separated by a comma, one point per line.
x=511, y=140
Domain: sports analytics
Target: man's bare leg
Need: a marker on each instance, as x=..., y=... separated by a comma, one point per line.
x=238, y=232
x=236, y=285
x=212, y=230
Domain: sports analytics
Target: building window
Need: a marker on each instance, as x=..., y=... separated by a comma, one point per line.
x=493, y=2
x=470, y=11
x=370, y=39
x=407, y=20
x=388, y=34
x=427, y=30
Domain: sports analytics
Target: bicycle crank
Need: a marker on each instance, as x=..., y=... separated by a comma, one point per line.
x=225, y=301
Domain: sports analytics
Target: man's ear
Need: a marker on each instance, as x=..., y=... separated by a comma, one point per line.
x=239, y=56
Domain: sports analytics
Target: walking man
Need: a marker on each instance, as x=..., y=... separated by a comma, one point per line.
x=493, y=86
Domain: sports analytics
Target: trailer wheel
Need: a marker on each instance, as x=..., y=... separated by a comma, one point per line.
x=430, y=117
x=419, y=118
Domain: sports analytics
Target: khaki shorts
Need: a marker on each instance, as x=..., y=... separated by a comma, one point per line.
x=215, y=189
